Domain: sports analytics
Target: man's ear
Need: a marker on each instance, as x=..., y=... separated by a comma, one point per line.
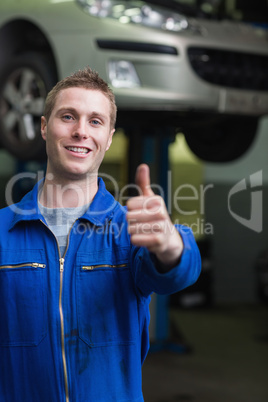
x=44, y=128
x=110, y=139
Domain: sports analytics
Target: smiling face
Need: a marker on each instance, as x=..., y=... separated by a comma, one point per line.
x=77, y=134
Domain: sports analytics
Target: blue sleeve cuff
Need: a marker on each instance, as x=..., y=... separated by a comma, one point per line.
x=149, y=279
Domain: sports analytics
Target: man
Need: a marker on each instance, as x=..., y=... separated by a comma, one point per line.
x=77, y=270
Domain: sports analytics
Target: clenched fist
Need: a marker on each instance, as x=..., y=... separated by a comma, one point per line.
x=149, y=223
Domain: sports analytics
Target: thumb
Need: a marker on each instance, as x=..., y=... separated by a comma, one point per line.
x=143, y=181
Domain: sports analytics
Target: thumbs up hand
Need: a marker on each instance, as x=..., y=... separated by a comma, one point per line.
x=149, y=223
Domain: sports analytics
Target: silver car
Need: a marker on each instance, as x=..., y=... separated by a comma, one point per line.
x=192, y=66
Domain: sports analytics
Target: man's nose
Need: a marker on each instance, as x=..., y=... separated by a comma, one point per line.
x=81, y=129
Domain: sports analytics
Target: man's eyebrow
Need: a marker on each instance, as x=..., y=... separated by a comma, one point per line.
x=66, y=109
x=98, y=114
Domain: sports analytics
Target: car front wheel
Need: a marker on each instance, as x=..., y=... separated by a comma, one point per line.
x=24, y=83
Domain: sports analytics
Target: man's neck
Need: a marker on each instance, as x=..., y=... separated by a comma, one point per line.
x=68, y=194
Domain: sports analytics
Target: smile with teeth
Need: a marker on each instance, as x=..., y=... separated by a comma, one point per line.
x=79, y=150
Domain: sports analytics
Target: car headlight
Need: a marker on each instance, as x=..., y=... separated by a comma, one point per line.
x=122, y=74
x=136, y=12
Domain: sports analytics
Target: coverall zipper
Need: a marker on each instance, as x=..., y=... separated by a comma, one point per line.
x=30, y=264
x=62, y=261
x=91, y=267
x=62, y=332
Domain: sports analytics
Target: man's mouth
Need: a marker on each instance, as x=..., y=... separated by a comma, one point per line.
x=79, y=150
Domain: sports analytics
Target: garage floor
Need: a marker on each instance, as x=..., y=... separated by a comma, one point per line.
x=226, y=361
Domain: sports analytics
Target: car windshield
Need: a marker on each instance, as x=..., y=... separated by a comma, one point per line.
x=240, y=10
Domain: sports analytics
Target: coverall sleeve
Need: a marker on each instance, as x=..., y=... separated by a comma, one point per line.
x=148, y=279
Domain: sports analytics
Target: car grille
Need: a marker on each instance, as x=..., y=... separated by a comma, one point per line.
x=230, y=69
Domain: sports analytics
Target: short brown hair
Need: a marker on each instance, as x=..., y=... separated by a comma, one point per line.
x=88, y=79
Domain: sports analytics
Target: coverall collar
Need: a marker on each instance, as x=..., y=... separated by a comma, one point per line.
x=99, y=213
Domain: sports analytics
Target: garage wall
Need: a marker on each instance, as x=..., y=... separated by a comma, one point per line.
x=7, y=169
x=235, y=246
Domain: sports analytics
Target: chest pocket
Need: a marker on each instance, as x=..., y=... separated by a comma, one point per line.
x=106, y=301
x=23, y=318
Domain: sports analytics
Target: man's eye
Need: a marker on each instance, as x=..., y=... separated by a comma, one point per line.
x=67, y=117
x=95, y=122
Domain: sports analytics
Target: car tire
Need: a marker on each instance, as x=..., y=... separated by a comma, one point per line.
x=222, y=140
x=24, y=83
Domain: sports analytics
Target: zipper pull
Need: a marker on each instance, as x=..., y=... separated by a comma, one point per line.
x=61, y=264
x=37, y=265
x=88, y=268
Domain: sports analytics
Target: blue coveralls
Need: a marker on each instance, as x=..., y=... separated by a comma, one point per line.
x=74, y=328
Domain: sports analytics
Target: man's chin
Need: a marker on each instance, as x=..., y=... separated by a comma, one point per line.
x=78, y=175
